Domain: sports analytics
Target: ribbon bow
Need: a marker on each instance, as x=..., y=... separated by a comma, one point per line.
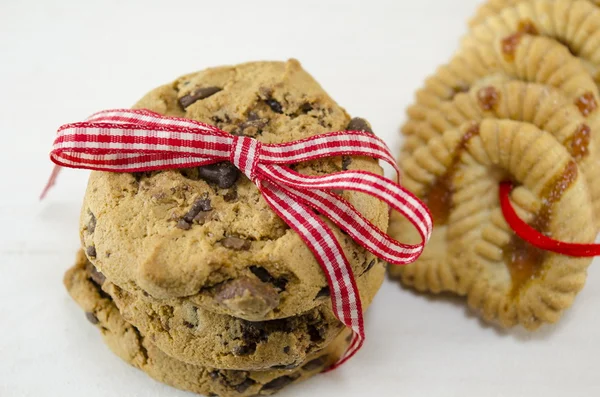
x=140, y=140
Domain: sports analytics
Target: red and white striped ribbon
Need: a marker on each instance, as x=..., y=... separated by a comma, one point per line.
x=140, y=140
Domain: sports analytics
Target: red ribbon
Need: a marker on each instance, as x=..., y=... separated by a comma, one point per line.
x=536, y=238
x=140, y=140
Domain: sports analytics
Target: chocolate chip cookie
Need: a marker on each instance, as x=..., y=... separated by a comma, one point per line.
x=126, y=341
x=200, y=337
x=205, y=235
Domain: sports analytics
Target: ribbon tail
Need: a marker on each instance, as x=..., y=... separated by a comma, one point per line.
x=534, y=237
x=348, y=218
x=51, y=181
x=322, y=242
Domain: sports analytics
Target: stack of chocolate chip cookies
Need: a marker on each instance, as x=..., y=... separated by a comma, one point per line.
x=518, y=102
x=190, y=276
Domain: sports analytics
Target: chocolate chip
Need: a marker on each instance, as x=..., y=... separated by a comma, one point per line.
x=346, y=161
x=202, y=204
x=264, y=276
x=183, y=225
x=200, y=93
x=314, y=364
x=92, y=318
x=236, y=243
x=242, y=387
x=349, y=338
x=278, y=383
x=214, y=374
x=223, y=174
x=274, y=105
x=286, y=349
x=323, y=292
x=230, y=196
x=358, y=124
x=91, y=251
x=91, y=226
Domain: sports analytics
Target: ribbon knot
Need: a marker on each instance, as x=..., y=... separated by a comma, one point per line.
x=140, y=140
x=245, y=155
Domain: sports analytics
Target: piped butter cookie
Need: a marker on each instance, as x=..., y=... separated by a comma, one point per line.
x=543, y=106
x=575, y=24
x=522, y=57
x=473, y=251
x=493, y=7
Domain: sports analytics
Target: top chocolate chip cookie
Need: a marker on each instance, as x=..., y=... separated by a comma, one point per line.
x=205, y=234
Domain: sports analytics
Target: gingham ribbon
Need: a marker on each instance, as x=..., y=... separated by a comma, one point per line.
x=140, y=140
x=536, y=238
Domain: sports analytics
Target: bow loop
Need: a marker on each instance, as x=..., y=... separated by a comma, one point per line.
x=245, y=155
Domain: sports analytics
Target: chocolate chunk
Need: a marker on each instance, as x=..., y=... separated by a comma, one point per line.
x=95, y=275
x=256, y=123
x=274, y=105
x=242, y=387
x=306, y=107
x=189, y=325
x=262, y=273
x=278, y=383
x=369, y=266
x=358, y=124
x=91, y=226
x=92, y=318
x=202, y=204
x=91, y=251
x=286, y=349
x=214, y=374
x=247, y=295
x=236, y=243
x=316, y=332
x=230, y=196
x=183, y=225
x=314, y=364
x=264, y=276
x=244, y=350
x=346, y=161
x=203, y=217
x=225, y=175
x=323, y=292
x=200, y=93
x=289, y=366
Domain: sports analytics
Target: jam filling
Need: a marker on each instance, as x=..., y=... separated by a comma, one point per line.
x=439, y=197
x=524, y=260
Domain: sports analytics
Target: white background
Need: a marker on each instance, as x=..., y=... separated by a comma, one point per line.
x=62, y=60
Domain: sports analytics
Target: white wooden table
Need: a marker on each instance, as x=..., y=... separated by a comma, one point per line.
x=62, y=60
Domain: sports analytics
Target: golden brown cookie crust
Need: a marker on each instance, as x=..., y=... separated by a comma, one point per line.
x=133, y=347
x=142, y=232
